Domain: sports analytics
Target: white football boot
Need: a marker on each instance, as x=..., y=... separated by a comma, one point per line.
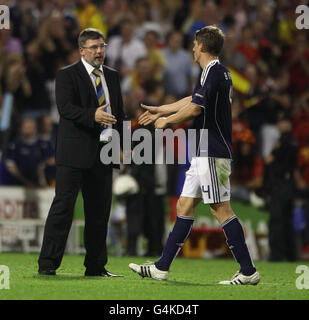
x=149, y=270
x=241, y=279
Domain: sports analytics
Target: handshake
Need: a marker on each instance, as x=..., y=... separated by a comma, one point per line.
x=153, y=114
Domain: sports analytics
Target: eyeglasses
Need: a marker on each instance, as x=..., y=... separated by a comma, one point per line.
x=95, y=47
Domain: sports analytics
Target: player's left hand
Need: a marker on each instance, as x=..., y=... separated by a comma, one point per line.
x=160, y=123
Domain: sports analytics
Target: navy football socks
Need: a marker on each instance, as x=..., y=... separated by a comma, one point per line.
x=175, y=241
x=235, y=239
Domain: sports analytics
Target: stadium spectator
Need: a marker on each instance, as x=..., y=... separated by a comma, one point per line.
x=39, y=101
x=124, y=50
x=247, y=176
x=302, y=183
x=23, y=19
x=230, y=56
x=64, y=10
x=16, y=80
x=42, y=10
x=53, y=45
x=123, y=11
x=47, y=141
x=301, y=118
x=137, y=77
x=104, y=15
x=154, y=92
x=143, y=24
x=280, y=186
x=239, y=124
x=85, y=11
x=206, y=14
x=302, y=173
x=9, y=43
x=24, y=160
x=248, y=46
x=240, y=17
x=297, y=60
x=16, y=85
x=106, y=18
x=286, y=24
x=154, y=54
x=178, y=66
x=145, y=210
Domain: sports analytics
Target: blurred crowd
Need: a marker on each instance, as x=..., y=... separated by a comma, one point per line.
x=150, y=44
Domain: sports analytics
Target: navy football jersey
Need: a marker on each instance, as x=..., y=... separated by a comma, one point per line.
x=213, y=93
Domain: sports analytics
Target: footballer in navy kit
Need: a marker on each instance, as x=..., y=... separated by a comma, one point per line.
x=207, y=179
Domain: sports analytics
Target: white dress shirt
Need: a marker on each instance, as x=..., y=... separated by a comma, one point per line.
x=106, y=134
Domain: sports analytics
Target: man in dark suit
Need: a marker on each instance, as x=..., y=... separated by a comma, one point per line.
x=90, y=105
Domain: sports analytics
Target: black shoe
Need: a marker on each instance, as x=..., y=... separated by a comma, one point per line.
x=47, y=272
x=103, y=273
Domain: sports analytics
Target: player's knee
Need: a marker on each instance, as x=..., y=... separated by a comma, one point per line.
x=221, y=211
x=184, y=208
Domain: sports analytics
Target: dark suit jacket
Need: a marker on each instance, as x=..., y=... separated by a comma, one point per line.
x=78, y=133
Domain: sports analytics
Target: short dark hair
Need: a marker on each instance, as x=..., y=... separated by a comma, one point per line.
x=89, y=33
x=126, y=20
x=171, y=33
x=154, y=33
x=212, y=39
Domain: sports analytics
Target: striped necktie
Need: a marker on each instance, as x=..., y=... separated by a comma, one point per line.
x=100, y=96
x=99, y=87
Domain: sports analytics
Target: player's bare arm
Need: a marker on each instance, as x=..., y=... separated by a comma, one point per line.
x=186, y=113
x=153, y=113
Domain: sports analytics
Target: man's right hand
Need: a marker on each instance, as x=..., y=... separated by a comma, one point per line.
x=103, y=117
x=149, y=116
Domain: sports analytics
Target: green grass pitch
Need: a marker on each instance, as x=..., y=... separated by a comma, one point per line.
x=189, y=279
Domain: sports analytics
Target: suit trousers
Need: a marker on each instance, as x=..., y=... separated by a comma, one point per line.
x=96, y=186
